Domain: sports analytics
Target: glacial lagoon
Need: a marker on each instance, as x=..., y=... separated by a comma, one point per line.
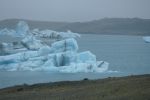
x=127, y=55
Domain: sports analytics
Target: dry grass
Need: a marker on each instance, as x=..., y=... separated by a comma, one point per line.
x=125, y=88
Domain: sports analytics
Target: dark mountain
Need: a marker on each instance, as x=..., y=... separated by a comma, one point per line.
x=120, y=26
x=11, y=23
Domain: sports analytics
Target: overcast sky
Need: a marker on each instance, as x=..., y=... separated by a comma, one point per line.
x=73, y=10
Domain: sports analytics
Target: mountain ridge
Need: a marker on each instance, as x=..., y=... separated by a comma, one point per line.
x=117, y=26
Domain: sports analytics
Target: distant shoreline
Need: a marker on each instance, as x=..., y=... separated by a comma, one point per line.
x=110, y=26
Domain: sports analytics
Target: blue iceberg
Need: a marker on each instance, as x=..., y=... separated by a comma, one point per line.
x=61, y=56
x=146, y=39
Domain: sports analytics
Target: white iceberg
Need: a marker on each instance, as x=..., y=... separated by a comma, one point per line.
x=44, y=50
x=86, y=57
x=60, y=56
x=69, y=34
x=47, y=34
x=83, y=67
x=65, y=45
x=54, y=35
x=8, y=32
x=6, y=47
x=22, y=29
x=68, y=62
x=31, y=43
x=146, y=39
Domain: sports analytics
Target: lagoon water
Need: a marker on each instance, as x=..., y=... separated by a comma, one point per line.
x=124, y=53
x=128, y=55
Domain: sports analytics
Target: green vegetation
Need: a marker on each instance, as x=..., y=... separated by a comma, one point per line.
x=112, y=88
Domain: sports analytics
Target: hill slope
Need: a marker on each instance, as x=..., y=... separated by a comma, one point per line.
x=120, y=26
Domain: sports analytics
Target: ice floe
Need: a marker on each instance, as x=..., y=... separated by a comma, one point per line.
x=31, y=43
x=60, y=56
x=146, y=39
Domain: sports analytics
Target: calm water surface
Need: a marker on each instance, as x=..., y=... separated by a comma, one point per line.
x=126, y=54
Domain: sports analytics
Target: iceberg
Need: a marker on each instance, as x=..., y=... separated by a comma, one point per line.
x=44, y=50
x=54, y=35
x=65, y=45
x=86, y=57
x=48, y=34
x=22, y=29
x=6, y=47
x=82, y=67
x=8, y=32
x=69, y=34
x=66, y=62
x=146, y=39
x=31, y=43
x=60, y=56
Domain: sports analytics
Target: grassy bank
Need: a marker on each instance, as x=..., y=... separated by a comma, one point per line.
x=122, y=88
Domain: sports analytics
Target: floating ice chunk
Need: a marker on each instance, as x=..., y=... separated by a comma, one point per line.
x=66, y=62
x=75, y=68
x=4, y=31
x=22, y=28
x=102, y=66
x=65, y=45
x=48, y=68
x=69, y=57
x=6, y=47
x=62, y=59
x=19, y=50
x=31, y=65
x=55, y=35
x=49, y=34
x=18, y=57
x=45, y=50
x=35, y=32
x=49, y=63
x=31, y=43
x=57, y=58
x=9, y=67
x=21, y=65
x=62, y=56
x=69, y=34
x=146, y=39
x=8, y=32
x=10, y=59
x=83, y=62
x=84, y=67
x=86, y=57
